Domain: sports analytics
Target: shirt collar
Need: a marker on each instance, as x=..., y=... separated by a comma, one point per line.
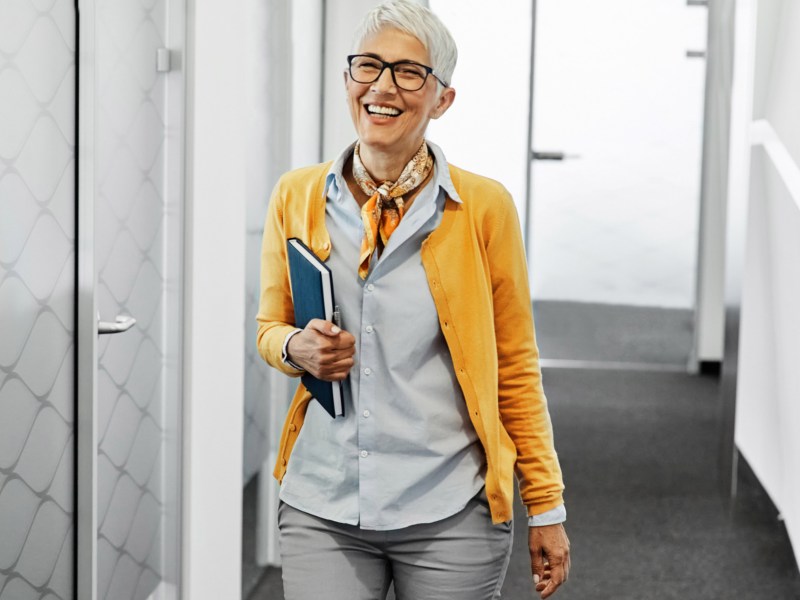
x=335, y=176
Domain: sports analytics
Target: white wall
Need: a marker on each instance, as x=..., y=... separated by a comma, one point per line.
x=768, y=391
x=214, y=303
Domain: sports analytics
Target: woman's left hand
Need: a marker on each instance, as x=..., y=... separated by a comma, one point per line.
x=549, y=547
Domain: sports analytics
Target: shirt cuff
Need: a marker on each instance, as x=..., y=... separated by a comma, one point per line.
x=284, y=355
x=553, y=516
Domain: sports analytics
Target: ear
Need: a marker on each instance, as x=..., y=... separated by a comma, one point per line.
x=445, y=101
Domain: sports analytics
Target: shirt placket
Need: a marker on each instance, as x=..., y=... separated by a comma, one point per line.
x=369, y=390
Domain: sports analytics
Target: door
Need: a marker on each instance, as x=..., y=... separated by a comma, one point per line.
x=37, y=299
x=130, y=293
x=616, y=135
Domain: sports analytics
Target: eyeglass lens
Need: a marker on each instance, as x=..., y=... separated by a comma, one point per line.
x=407, y=75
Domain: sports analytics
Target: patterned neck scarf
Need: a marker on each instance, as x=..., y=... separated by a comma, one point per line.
x=381, y=214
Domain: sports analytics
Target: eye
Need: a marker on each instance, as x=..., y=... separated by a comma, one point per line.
x=364, y=63
x=409, y=70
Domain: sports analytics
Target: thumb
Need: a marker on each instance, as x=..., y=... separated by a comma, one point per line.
x=324, y=327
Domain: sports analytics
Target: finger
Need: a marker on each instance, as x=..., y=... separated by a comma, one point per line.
x=324, y=327
x=340, y=370
x=344, y=342
x=332, y=366
x=554, y=582
x=537, y=566
x=549, y=589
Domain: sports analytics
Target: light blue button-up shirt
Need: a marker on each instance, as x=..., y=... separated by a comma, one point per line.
x=406, y=452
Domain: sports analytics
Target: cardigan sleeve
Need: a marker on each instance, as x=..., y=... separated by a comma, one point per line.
x=521, y=399
x=275, y=311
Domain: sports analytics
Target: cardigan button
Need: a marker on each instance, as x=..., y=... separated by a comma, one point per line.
x=326, y=246
x=292, y=427
x=283, y=461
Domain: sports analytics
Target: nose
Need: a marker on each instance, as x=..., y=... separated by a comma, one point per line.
x=384, y=82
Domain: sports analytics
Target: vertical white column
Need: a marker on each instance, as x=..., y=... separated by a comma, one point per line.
x=214, y=300
x=270, y=144
x=709, y=301
x=306, y=76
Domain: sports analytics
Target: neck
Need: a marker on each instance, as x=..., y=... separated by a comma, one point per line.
x=386, y=166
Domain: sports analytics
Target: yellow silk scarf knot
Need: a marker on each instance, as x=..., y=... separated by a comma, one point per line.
x=381, y=214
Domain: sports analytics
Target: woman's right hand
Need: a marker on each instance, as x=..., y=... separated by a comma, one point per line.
x=323, y=349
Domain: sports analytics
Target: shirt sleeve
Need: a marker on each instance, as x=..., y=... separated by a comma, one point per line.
x=285, y=353
x=554, y=516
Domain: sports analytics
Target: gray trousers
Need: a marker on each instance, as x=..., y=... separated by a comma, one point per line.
x=463, y=556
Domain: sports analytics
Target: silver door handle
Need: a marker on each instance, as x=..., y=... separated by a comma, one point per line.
x=539, y=155
x=122, y=323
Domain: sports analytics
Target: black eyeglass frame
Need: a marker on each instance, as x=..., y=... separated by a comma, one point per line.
x=391, y=65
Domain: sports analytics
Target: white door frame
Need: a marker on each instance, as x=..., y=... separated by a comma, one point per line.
x=87, y=316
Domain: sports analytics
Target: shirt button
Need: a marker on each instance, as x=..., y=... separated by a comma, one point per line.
x=364, y=454
x=367, y=371
x=370, y=287
x=365, y=413
x=370, y=329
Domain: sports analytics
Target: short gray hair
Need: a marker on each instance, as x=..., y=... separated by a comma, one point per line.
x=419, y=21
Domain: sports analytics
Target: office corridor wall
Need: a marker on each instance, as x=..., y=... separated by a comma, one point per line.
x=768, y=395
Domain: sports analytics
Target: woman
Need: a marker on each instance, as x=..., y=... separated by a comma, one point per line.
x=442, y=389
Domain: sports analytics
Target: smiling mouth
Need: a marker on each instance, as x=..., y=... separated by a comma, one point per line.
x=383, y=111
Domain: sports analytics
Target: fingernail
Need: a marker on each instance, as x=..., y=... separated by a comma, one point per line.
x=335, y=329
x=535, y=578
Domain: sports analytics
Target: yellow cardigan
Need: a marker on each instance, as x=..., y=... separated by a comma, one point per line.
x=476, y=270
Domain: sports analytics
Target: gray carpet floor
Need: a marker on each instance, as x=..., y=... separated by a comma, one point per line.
x=613, y=333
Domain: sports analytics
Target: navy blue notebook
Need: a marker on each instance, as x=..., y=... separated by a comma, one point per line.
x=312, y=296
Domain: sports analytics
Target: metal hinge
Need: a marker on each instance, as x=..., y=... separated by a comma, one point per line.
x=163, y=60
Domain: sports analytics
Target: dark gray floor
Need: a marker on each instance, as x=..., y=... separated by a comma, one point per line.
x=613, y=333
x=646, y=517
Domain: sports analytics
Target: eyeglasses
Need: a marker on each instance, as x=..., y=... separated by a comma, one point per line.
x=407, y=75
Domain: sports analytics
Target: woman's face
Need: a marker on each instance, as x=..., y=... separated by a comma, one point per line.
x=399, y=134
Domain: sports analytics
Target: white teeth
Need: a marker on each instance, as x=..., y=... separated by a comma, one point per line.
x=382, y=110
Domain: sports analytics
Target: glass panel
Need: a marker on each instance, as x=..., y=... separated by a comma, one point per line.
x=136, y=255
x=37, y=299
x=614, y=224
